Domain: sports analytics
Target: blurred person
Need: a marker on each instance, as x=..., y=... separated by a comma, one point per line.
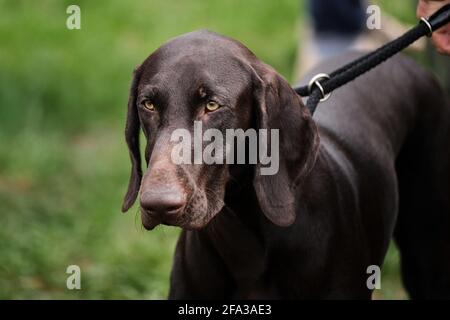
x=340, y=25
x=336, y=25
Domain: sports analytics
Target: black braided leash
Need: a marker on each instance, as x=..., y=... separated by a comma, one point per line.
x=321, y=86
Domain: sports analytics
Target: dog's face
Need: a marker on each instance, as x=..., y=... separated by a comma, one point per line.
x=203, y=78
x=181, y=83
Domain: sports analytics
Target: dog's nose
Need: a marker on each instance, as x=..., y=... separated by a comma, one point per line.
x=163, y=201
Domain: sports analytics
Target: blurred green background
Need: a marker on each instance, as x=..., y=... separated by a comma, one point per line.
x=63, y=162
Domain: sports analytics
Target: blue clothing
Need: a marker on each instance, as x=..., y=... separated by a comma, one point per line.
x=338, y=16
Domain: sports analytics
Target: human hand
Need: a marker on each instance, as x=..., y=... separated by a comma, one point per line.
x=441, y=37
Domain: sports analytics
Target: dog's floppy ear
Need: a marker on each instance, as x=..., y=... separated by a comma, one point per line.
x=279, y=107
x=132, y=130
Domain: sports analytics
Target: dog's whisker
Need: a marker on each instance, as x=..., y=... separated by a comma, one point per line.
x=137, y=222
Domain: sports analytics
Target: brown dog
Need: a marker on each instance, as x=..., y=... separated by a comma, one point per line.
x=372, y=164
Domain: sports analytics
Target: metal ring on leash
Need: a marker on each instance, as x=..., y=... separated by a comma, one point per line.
x=428, y=24
x=315, y=82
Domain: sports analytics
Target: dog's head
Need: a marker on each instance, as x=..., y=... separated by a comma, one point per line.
x=205, y=79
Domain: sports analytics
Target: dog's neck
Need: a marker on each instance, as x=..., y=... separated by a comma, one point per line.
x=235, y=234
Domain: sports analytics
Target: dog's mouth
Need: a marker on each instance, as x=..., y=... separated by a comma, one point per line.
x=149, y=222
x=192, y=218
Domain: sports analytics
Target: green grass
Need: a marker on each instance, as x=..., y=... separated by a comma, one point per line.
x=403, y=10
x=63, y=161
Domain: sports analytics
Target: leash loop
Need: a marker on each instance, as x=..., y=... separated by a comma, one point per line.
x=315, y=81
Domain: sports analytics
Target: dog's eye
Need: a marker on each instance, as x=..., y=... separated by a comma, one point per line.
x=149, y=105
x=212, y=106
